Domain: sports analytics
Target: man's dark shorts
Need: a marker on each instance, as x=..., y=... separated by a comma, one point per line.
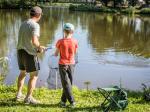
x=27, y=62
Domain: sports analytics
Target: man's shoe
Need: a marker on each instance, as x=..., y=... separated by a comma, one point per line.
x=72, y=105
x=62, y=104
x=20, y=97
x=31, y=100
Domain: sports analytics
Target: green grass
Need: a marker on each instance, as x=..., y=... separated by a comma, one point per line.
x=87, y=101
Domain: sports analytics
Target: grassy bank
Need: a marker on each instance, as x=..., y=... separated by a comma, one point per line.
x=88, y=7
x=86, y=101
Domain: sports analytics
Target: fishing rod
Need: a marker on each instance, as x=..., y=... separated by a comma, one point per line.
x=46, y=49
x=50, y=47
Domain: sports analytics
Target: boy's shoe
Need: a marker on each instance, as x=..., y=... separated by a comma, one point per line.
x=62, y=104
x=72, y=105
x=31, y=100
x=20, y=97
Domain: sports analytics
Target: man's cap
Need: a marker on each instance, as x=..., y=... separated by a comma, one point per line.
x=36, y=10
x=68, y=26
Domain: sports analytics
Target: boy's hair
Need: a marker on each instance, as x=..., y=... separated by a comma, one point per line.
x=68, y=31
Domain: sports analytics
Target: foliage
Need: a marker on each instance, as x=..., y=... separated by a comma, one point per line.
x=145, y=11
x=132, y=2
x=16, y=3
x=3, y=68
x=130, y=10
x=87, y=101
x=90, y=7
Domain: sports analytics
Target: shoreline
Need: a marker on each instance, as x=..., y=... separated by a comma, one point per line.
x=92, y=8
x=84, y=8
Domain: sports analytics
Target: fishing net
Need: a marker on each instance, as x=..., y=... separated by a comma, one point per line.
x=53, y=79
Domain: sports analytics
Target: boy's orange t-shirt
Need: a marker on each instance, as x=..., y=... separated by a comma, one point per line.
x=67, y=48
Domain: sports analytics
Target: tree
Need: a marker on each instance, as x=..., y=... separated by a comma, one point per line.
x=105, y=2
x=147, y=2
x=116, y=2
x=132, y=2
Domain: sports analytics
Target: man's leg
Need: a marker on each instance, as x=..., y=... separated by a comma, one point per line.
x=31, y=86
x=32, y=83
x=20, y=83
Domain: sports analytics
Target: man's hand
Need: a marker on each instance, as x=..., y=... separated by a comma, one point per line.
x=36, y=43
x=41, y=49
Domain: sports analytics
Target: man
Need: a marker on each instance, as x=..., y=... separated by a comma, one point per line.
x=27, y=48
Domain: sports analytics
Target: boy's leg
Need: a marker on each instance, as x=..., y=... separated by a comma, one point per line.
x=70, y=75
x=66, y=84
x=62, y=72
x=63, y=97
x=71, y=72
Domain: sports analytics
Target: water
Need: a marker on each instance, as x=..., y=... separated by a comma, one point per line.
x=113, y=49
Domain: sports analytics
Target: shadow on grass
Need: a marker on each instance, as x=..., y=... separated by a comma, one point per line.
x=12, y=102
x=85, y=109
x=142, y=101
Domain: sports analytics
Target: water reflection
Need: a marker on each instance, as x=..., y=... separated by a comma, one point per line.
x=111, y=47
x=120, y=33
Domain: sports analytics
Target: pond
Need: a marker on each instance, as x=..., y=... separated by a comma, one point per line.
x=113, y=49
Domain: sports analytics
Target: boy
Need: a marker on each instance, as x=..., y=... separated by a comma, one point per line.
x=67, y=48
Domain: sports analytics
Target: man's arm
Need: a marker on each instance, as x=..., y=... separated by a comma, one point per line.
x=36, y=43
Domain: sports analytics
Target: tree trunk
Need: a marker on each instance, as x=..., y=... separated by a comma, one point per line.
x=106, y=3
x=147, y=2
x=115, y=3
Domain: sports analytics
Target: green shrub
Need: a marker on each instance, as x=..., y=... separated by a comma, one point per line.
x=16, y=3
x=91, y=7
x=145, y=11
x=130, y=10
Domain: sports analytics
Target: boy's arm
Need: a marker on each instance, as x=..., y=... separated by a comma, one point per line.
x=57, y=48
x=76, y=50
x=56, y=52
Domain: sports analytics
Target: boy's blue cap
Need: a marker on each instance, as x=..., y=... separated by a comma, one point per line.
x=68, y=26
